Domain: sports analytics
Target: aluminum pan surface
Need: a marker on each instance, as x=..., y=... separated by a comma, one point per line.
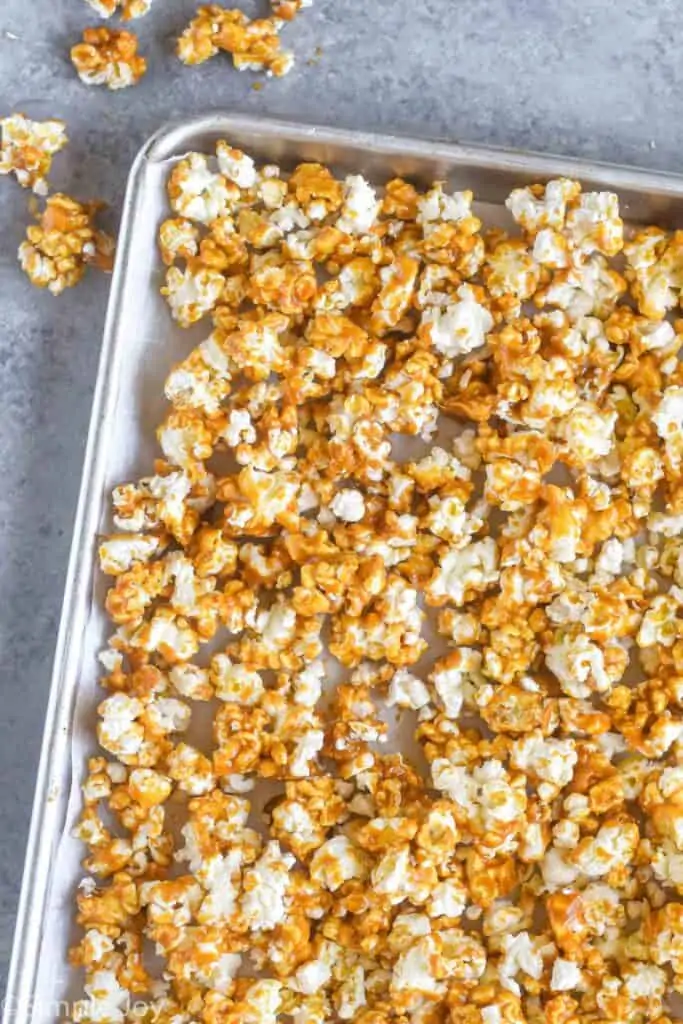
x=139, y=346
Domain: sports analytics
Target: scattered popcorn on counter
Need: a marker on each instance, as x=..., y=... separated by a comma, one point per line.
x=63, y=244
x=27, y=148
x=254, y=44
x=108, y=57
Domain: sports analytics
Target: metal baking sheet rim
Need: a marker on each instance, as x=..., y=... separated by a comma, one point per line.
x=656, y=194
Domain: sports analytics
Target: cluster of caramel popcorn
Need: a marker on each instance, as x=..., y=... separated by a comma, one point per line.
x=64, y=242
x=108, y=57
x=394, y=718
x=254, y=44
x=27, y=148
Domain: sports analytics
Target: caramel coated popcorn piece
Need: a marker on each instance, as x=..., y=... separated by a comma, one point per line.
x=254, y=45
x=127, y=8
x=197, y=42
x=108, y=57
x=288, y=9
x=58, y=250
x=27, y=148
x=654, y=269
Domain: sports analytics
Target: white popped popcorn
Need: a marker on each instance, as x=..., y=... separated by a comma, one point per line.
x=579, y=666
x=235, y=682
x=436, y=205
x=106, y=999
x=613, y=846
x=460, y=327
x=654, y=268
x=566, y=976
x=453, y=678
x=551, y=761
x=312, y=976
x=519, y=955
x=668, y=419
x=337, y=861
x=360, y=206
x=236, y=166
x=192, y=293
x=413, y=975
x=593, y=223
x=472, y=568
x=197, y=192
x=407, y=691
x=448, y=899
x=120, y=552
x=348, y=505
x=265, y=888
x=588, y=432
x=542, y=207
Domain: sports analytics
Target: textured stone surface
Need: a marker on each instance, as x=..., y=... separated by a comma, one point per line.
x=595, y=78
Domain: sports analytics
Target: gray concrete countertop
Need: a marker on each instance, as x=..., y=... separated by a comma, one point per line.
x=593, y=78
